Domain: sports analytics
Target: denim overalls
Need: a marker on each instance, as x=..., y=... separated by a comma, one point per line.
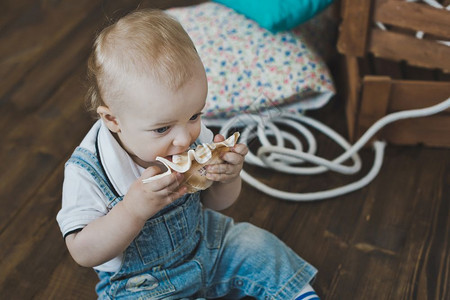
x=185, y=251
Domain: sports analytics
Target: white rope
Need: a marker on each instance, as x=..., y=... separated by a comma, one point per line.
x=286, y=160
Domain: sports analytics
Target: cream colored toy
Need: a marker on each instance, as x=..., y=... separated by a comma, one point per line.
x=193, y=163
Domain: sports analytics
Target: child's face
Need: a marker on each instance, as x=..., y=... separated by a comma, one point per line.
x=158, y=121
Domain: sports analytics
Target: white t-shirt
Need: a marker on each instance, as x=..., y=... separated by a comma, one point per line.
x=83, y=201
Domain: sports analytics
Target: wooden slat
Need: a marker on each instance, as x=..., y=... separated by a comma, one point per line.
x=374, y=101
x=354, y=27
x=432, y=131
x=412, y=94
x=381, y=96
x=415, y=16
x=398, y=47
x=352, y=93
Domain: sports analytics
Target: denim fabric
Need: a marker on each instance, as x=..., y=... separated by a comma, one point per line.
x=187, y=252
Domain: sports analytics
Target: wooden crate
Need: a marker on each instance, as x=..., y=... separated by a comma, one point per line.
x=393, y=70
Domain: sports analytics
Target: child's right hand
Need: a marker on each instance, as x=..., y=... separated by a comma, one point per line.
x=143, y=200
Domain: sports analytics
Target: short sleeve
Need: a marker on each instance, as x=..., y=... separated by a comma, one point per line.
x=82, y=200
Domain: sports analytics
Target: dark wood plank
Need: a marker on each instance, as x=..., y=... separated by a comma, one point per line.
x=11, y=10
x=33, y=35
x=398, y=47
x=431, y=131
x=374, y=101
x=354, y=28
x=411, y=94
x=352, y=92
x=38, y=144
x=415, y=16
x=27, y=271
x=61, y=38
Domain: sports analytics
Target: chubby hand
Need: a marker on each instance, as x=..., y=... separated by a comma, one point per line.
x=233, y=161
x=144, y=200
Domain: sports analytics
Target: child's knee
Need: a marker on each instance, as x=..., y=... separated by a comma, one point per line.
x=250, y=238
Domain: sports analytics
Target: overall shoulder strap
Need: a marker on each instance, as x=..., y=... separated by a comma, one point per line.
x=90, y=162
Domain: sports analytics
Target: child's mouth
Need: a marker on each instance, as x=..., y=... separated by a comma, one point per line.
x=170, y=157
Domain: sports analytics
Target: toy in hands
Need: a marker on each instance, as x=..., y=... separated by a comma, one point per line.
x=193, y=163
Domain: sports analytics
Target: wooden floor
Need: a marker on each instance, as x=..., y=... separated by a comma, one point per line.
x=389, y=240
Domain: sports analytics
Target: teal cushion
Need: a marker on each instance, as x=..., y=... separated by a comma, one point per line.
x=277, y=15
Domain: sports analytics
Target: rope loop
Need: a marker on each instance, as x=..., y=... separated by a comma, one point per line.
x=289, y=160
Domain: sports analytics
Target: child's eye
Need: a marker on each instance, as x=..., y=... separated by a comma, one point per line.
x=162, y=129
x=195, y=117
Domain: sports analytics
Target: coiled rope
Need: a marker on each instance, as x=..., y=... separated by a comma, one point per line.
x=286, y=160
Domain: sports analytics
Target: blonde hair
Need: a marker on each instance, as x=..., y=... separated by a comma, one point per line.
x=143, y=42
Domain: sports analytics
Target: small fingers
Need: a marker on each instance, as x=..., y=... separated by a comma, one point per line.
x=175, y=193
x=171, y=192
x=165, y=182
x=179, y=192
x=220, y=169
x=175, y=186
x=240, y=149
x=233, y=158
x=218, y=138
x=150, y=172
x=220, y=177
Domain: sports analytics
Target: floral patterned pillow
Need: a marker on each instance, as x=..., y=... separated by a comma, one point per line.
x=249, y=68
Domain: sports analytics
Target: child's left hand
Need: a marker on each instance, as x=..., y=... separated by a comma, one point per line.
x=232, y=165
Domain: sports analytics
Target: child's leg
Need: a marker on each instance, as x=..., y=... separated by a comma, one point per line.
x=255, y=263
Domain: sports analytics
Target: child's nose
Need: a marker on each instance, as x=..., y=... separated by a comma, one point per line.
x=182, y=138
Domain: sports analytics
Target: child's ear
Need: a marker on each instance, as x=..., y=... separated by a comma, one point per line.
x=109, y=118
